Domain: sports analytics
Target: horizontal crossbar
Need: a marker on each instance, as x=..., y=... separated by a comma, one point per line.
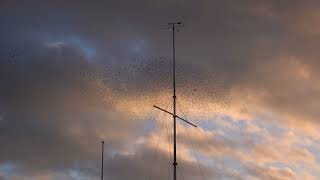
x=175, y=115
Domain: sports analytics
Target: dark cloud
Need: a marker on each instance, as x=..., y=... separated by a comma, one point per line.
x=54, y=112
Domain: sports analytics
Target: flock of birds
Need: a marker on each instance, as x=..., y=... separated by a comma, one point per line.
x=88, y=74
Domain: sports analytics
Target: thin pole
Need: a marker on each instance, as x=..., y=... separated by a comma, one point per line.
x=174, y=104
x=174, y=107
x=102, y=159
x=173, y=26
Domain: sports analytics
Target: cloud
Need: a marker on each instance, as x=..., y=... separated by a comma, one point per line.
x=54, y=115
x=73, y=74
x=272, y=173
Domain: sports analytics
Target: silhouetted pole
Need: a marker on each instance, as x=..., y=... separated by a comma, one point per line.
x=174, y=26
x=102, y=152
x=174, y=101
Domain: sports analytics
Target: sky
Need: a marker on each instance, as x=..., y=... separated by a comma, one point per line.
x=75, y=73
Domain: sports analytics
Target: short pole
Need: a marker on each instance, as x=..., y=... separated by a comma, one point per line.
x=102, y=152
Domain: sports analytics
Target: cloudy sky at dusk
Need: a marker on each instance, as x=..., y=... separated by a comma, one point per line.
x=74, y=73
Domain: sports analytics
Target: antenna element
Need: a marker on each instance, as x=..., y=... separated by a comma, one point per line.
x=174, y=26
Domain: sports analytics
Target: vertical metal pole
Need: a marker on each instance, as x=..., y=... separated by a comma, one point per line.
x=102, y=159
x=174, y=106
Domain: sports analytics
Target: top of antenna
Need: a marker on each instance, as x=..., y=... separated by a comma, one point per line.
x=175, y=23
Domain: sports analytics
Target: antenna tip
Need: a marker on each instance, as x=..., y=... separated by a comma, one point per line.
x=102, y=142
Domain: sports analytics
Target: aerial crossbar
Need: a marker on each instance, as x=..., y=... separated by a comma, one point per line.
x=175, y=115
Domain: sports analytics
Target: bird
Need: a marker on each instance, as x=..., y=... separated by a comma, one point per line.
x=13, y=55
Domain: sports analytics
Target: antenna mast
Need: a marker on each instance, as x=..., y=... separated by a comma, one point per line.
x=174, y=100
x=102, y=159
x=173, y=27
